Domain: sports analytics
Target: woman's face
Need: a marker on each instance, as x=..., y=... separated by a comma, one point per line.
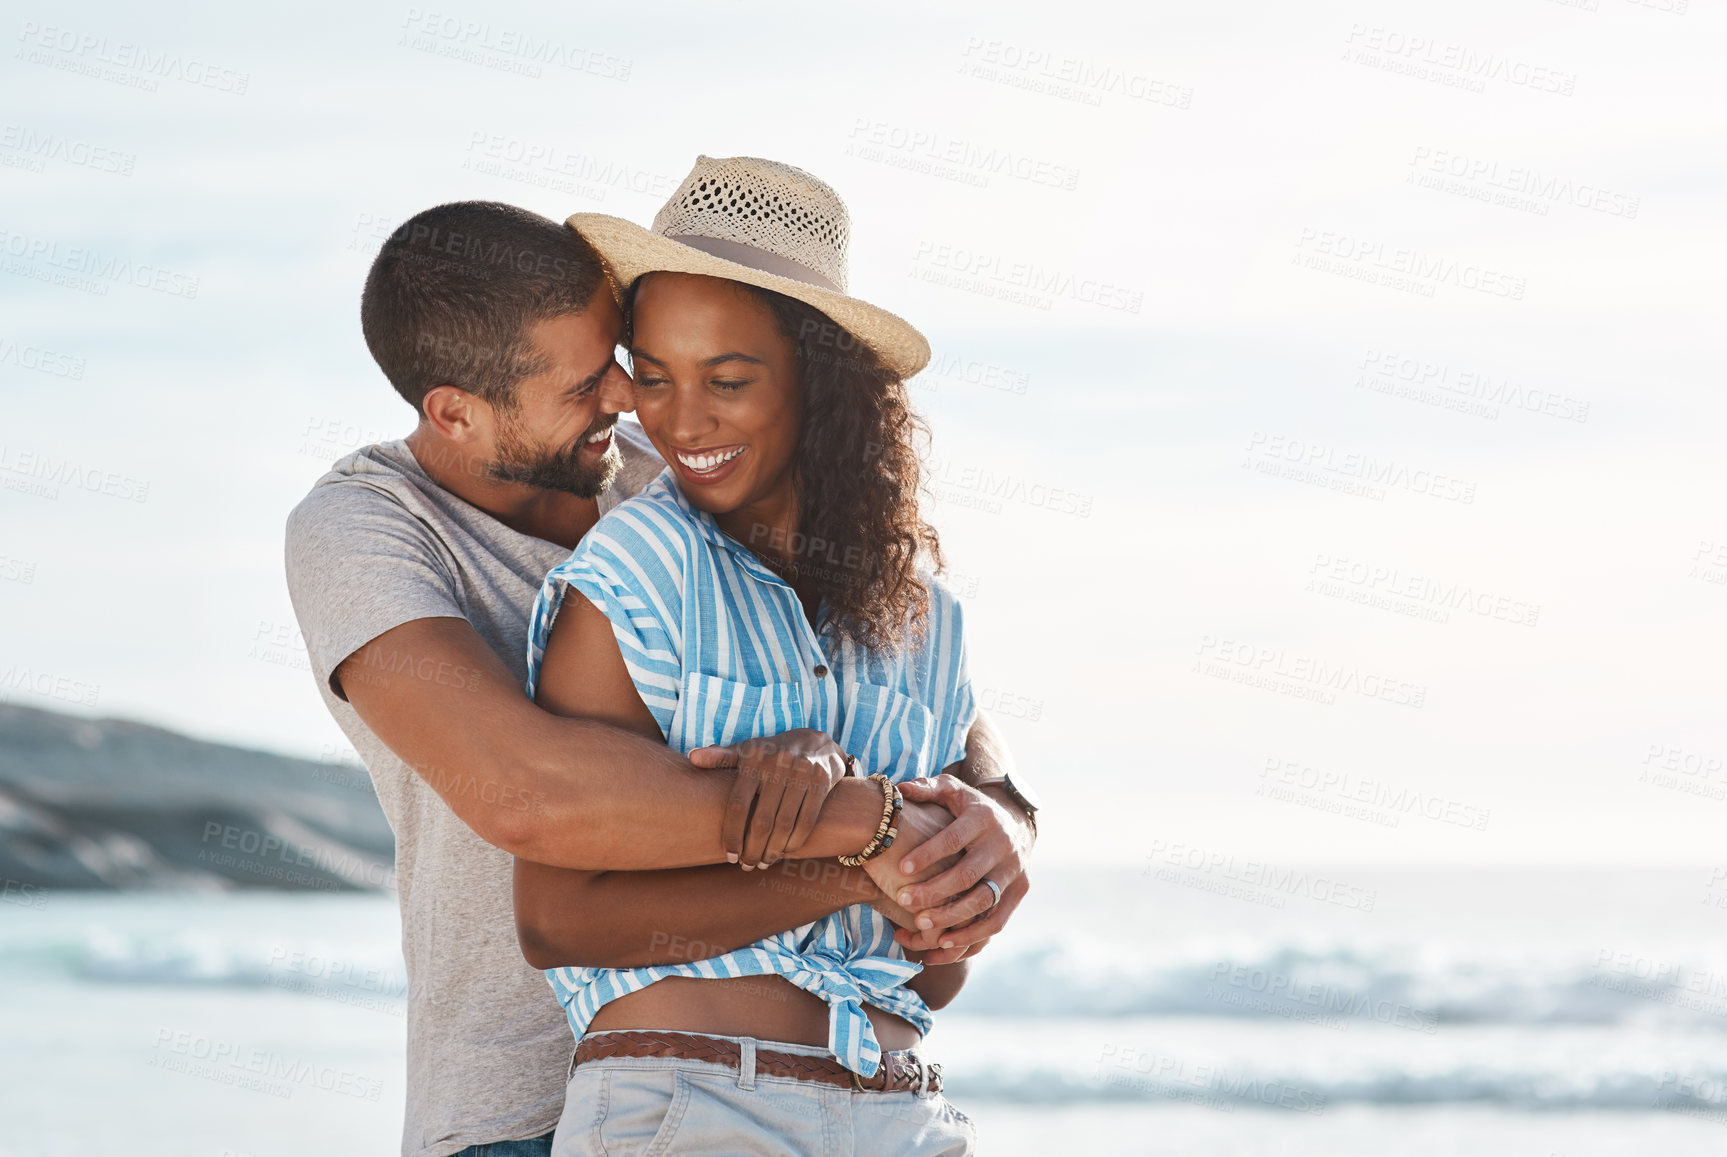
x=716, y=391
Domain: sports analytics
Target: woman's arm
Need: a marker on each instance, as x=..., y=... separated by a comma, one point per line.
x=567, y=918
x=583, y=674
x=938, y=984
x=618, y=919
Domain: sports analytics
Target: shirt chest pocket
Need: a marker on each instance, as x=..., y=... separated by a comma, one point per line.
x=888, y=731
x=712, y=710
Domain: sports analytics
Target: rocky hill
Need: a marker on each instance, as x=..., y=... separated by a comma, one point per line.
x=109, y=804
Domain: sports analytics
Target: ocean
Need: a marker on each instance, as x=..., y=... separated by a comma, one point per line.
x=1181, y=1006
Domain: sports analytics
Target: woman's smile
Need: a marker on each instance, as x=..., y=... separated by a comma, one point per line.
x=708, y=466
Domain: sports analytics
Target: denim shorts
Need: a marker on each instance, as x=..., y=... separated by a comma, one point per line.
x=654, y=1106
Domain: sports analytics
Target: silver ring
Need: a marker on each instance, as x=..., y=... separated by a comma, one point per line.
x=995, y=888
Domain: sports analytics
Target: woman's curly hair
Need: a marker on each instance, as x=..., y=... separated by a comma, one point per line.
x=857, y=475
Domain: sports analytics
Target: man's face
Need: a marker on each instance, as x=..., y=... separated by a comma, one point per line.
x=558, y=434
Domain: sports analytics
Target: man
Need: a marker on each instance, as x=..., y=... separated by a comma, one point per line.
x=413, y=566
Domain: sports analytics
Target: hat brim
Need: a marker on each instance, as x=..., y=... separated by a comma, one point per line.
x=629, y=251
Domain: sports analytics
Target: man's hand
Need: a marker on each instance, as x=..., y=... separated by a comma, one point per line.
x=934, y=956
x=967, y=940
x=785, y=777
x=955, y=909
x=918, y=823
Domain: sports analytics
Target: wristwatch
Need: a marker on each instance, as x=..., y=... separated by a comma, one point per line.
x=1019, y=791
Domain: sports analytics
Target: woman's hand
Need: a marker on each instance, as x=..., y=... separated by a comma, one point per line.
x=918, y=823
x=782, y=781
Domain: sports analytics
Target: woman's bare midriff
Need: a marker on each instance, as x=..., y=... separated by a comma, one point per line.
x=765, y=1007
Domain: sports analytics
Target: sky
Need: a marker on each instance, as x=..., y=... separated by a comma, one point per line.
x=1326, y=414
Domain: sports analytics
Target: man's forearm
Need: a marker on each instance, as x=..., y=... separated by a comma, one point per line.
x=674, y=916
x=608, y=800
x=569, y=792
x=987, y=757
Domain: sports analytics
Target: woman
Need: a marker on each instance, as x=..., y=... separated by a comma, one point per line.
x=768, y=580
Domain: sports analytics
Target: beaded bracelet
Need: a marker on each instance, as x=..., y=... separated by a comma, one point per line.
x=885, y=832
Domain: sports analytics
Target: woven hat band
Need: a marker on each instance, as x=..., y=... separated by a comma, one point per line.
x=758, y=259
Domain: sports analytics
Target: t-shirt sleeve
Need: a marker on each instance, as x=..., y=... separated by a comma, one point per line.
x=954, y=703
x=359, y=564
x=631, y=567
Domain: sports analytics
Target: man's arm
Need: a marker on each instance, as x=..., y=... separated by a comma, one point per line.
x=955, y=910
x=987, y=757
x=568, y=792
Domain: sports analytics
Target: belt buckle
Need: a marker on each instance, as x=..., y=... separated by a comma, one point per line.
x=883, y=1078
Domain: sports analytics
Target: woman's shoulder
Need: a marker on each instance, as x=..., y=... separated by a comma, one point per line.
x=945, y=611
x=649, y=535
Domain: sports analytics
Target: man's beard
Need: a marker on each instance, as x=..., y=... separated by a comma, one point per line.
x=522, y=462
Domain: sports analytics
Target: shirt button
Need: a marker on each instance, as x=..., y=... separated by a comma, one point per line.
x=821, y=671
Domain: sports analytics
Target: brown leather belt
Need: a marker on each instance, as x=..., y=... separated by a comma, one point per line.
x=900, y=1072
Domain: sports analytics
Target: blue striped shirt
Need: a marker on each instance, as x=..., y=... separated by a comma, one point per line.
x=721, y=651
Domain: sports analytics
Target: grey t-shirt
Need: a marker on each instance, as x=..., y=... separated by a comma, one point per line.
x=377, y=544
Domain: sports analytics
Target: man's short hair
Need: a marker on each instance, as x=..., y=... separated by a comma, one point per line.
x=453, y=291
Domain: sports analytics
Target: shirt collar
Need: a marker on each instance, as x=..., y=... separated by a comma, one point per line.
x=710, y=530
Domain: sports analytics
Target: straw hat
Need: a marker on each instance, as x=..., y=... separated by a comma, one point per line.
x=765, y=224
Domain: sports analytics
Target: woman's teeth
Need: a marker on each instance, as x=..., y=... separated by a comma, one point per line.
x=703, y=463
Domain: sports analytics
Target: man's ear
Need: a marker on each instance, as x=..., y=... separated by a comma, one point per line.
x=456, y=414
